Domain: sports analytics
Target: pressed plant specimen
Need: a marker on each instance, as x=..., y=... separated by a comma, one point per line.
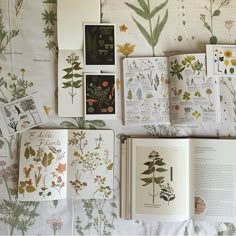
x=146, y=13
x=79, y=140
x=73, y=80
x=176, y=68
x=153, y=167
x=190, y=61
x=213, y=10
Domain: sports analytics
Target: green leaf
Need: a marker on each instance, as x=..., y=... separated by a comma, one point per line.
x=55, y=203
x=32, y=151
x=77, y=67
x=160, y=163
x=149, y=171
x=158, y=8
x=3, y=100
x=143, y=31
x=77, y=75
x=158, y=180
x=110, y=166
x=68, y=124
x=68, y=76
x=147, y=181
x=145, y=7
x=161, y=170
x=98, y=123
x=158, y=29
x=179, y=92
x=216, y=13
x=68, y=70
x=130, y=96
x=27, y=153
x=21, y=190
x=77, y=84
x=138, y=11
x=30, y=189
x=207, y=26
x=66, y=84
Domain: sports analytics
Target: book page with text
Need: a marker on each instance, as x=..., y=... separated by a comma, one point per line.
x=213, y=179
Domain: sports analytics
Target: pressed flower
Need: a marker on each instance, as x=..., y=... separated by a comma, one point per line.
x=126, y=49
x=228, y=53
x=229, y=24
x=226, y=62
x=104, y=83
x=123, y=28
x=61, y=168
x=208, y=91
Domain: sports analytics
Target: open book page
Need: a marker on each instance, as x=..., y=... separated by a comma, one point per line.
x=221, y=60
x=146, y=91
x=160, y=179
x=90, y=164
x=193, y=96
x=43, y=164
x=213, y=178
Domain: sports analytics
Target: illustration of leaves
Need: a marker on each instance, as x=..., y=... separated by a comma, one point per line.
x=158, y=8
x=138, y=11
x=158, y=28
x=27, y=153
x=147, y=181
x=30, y=189
x=216, y=13
x=149, y=171
x=110, y=166
x=159, y=162
x=21, y=190
x=18, y=5
x=47, y=159
x=159, y=180
x=161, y=169
x=143, y=31
x=130, y=96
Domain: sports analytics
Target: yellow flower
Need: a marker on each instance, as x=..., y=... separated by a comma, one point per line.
x=228, y=53
x=47, y=109
x=226, y=62
x=123, y=28
x=126, y=49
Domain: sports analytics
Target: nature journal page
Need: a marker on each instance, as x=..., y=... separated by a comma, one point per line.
x=193, y=96
x=43, y=164
x=146, y=91
x=90, y=164
x=213, y=179
x=160, y=179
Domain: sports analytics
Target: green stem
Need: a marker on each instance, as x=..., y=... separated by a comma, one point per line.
x=9, y=195
x=211, y=3
x=153, y=183
x=150, y=27
x=4, y=96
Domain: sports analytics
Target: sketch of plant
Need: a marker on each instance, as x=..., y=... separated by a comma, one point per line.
x=13, y=124
x=79, y=140
x=28, y=105
x=18, y=5
x=186, y=96
x=98, y=141
x=213, y=11
x=44, y=192
x=167, y=193
x=58, y=184
x=107, y=160
x=72, y=77
x=29, y=151
x=49, y=18
x=77, y=184
x=130, y=95
x=176, y=69
x=5, y=36
x=101, y=187
x=152, y=37
x=190, y=61
x=154, y=166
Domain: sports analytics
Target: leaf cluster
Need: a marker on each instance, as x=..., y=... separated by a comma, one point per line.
x=176, y=69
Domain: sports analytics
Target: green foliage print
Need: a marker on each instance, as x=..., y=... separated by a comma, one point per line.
x=5, y=36
x=18, y=5
x=213, y=10
x=152, y=37
x=98, y=221
x=49, y=30
x=73, y=79
x=154, y=165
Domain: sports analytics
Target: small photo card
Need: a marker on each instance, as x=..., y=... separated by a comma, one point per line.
x=22, y=114
x=99, y=47
x=221, y=60
x=100, y=96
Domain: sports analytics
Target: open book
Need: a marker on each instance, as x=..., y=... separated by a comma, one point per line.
x=56, y=164
x=178, y=179
x=169, y=90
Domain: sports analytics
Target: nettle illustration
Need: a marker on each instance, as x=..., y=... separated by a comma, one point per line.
x=154, y=167
x=73, y=79
x=167, y=193
x=102, y=187
x=213, y=10
x=152, y=37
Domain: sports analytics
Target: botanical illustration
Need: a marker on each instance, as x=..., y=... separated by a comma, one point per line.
x=43, y=168
x=153, y=172
x=100, y=44
x=146, y=90
x=18, y=5
x=5, y=36
x=21, y=115
x=91, y=163
x=49, y=30
x=224, y=61
x=167, y=193
x=152, y=36
x=193, y=95
x=126, y=49
x=100, y=94
x=214, y=9
x=73, y=77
